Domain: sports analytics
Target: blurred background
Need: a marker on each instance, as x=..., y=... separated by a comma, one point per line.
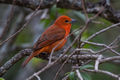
x=33, y=30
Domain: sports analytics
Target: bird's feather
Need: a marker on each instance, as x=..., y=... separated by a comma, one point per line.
x=50, y=36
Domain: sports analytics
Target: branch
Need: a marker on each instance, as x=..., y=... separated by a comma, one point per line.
x=32, y=4
x=101, y=31
x=104, y=72
x=13, y=60
x=27, y=52
x=79, y=75
x=109, y=13
x=19, y=56
x=97, y=62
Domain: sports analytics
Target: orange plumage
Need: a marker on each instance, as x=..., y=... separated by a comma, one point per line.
x=51, y=37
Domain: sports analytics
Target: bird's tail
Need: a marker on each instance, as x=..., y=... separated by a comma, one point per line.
x=29, y=58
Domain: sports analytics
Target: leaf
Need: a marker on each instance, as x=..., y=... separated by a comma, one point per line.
x=61, y=11
x=80, y=15
x=86, y=66
x=2, y=79
x=85, y=76
x=53, y=12
x=46, y=22
x=71, y=75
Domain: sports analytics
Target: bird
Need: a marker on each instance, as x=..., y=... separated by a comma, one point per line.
x=55, y=35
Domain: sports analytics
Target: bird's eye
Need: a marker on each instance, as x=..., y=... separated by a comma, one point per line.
x=66, y=21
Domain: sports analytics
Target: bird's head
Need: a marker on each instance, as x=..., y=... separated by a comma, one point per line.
x=64, y=21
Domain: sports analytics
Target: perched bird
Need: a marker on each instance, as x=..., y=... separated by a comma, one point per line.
x=55, y=35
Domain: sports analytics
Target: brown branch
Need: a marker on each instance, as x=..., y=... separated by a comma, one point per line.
x=13, y=60
x=32, y=4
x=109, y=13
x=27, y=52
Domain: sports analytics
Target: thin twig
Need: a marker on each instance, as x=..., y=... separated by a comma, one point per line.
x=37, y=77
x=78, y=74
x=114, y=41
x=66, y=77
x=63, y=65
x=6, y=27
x=102, y=45
x=101, y=31
x=83, y=6
x=84, y=49
x=104, y=72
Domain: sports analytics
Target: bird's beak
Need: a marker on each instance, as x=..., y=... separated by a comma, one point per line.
x=73, y=21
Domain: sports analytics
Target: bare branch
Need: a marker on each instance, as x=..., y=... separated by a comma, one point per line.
x=102, y=45
x=37, y=77
x=109, y=13
x=63, y=64
x=13, y=60
x=101, y=31
x=104, y=72
x=83, y=6
x=70, y=58
x=97, y=62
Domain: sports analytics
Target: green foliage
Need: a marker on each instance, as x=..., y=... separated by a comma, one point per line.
x=37, y=61
x=85, y=76
x=85, y=35
x=2, y=78
x=98, y=76
x=80, y=15
x=46, y=22
x=71, y=75
x=53, y=12
x=24, y=37
x=110, y=67
x=86, y=66
x=61, y=11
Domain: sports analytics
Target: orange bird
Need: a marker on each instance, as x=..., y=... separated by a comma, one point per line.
x=51, y=37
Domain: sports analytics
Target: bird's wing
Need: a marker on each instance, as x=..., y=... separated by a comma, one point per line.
x=50, y=36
